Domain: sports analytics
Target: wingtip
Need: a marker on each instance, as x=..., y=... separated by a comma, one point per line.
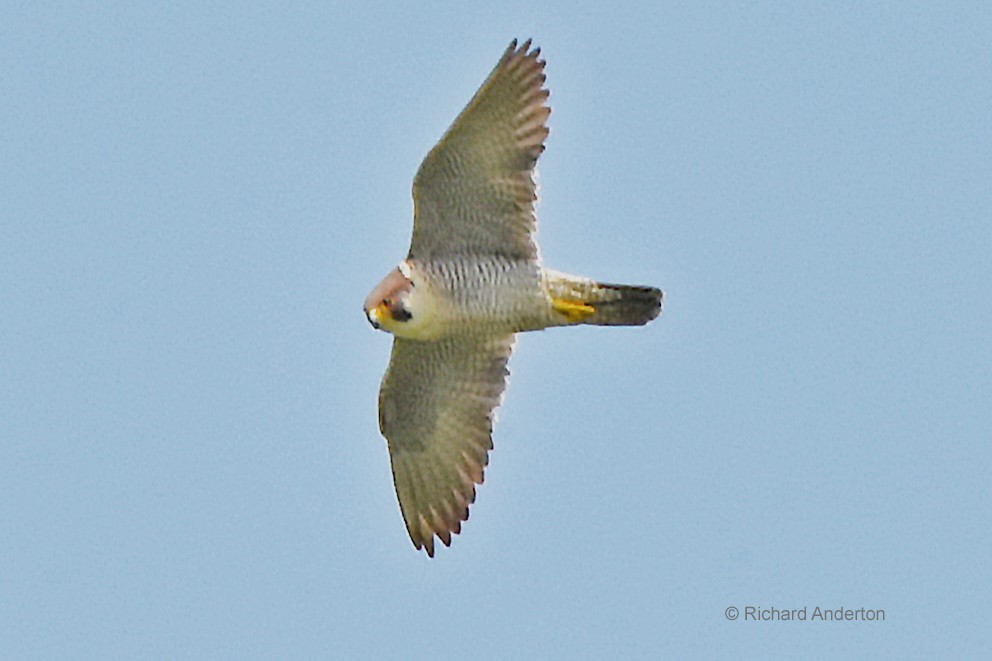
x=524, y=47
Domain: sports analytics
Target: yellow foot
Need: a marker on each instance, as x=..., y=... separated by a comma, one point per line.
x=574, y=311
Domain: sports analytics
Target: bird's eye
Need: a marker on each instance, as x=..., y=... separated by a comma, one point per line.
x=388, y=302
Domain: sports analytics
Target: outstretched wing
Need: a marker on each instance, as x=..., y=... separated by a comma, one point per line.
x=474, y=193
x=436, y=410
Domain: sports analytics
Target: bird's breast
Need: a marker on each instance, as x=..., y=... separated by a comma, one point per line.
x=474, y=295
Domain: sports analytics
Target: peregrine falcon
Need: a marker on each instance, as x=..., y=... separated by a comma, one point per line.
x=472, y=279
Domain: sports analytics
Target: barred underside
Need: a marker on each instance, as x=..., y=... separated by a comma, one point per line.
x=489, y=294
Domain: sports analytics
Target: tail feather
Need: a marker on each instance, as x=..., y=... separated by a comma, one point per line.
x=584, y=301
x=624, y=305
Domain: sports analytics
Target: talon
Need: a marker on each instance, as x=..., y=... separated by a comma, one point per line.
x=574, y=311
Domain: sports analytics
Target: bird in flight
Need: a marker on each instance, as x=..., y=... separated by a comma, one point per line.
x=472, y=279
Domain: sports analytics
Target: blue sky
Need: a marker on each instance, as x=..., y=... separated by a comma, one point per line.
x=194, y=202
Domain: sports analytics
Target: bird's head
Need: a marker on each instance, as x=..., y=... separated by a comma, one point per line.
x=388, y=306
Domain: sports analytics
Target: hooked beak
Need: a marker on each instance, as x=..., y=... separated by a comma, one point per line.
x=374, y=316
